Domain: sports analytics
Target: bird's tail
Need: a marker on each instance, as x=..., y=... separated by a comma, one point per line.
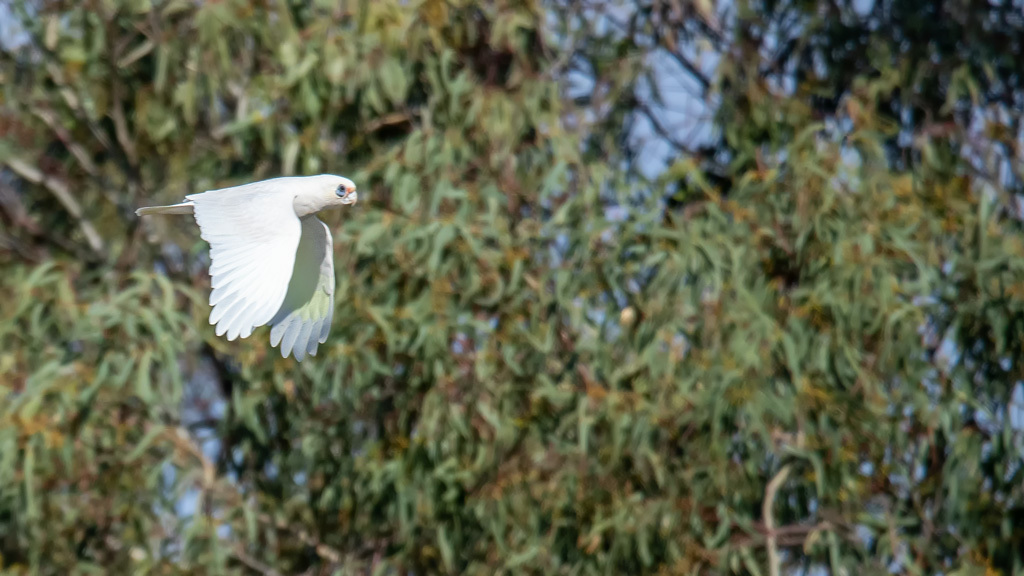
x=183, y=208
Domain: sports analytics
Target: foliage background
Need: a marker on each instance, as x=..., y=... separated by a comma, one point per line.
x=578, y=331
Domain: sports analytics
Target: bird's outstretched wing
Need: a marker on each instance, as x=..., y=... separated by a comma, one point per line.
x=304, y=319
x=253, y=233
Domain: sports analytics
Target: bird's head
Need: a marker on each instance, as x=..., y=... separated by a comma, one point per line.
x=316, y=193
x=344, y=190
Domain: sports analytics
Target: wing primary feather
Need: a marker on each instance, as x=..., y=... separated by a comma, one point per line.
x=303, y=339
x=325, y=327
x=303, y=320
x=291, y=334
x=275, y=334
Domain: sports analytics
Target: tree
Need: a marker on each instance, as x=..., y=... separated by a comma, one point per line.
x=797, y=346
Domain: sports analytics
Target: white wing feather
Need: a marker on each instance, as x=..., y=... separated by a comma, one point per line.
x=304, y=320
x=253, y=233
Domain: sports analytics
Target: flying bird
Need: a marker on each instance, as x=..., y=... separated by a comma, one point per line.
x=272, y=259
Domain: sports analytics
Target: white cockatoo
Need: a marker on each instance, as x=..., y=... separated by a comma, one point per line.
x=272, y=259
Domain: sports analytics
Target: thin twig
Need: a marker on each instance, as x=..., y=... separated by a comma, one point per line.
x=15, y=210
x=391, y=119
x=660, y=129
x=253, y=563
x=183, y=440
x=137, y=54
x=76, y=149
x=84, y=160
x=63, y=195
x=324, y=551
x=770, y=492
x=121, y=128
x=769, y=519
x=19, y=218
x=72, y=100
x=695, y=73
x=12, y=245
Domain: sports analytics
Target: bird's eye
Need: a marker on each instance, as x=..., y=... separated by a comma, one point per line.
x=341, y=192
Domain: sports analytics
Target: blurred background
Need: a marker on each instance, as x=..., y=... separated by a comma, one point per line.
x=653, y=287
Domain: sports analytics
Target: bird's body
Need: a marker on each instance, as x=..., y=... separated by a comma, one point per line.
x=272, y=258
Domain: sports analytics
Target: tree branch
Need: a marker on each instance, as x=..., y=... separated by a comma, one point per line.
x=64, y=196
x=769, y=519
x=76, y=149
